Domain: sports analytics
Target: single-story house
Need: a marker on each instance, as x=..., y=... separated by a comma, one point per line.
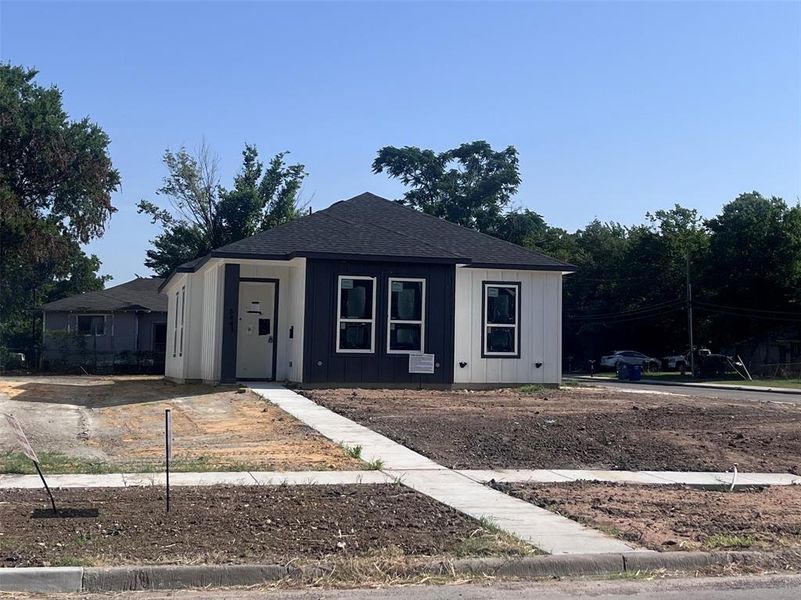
x=122, y=324
x=343, y=296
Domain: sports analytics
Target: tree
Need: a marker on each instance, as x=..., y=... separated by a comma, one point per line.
x=56, y=181
x=203, y=215
x=755, y=264
x=471, y=185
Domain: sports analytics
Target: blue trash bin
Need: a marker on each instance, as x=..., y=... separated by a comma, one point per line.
x=635, y=372
x=622, y=371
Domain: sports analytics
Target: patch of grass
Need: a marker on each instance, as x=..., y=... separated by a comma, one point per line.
x=71, y=561
x=719, y=541
x=354, y=451
x=490, y=540
x=50, y=462
x=530, y=388
x=606, y=528
x=374, y=465
x=53, y=463
x=8, y=542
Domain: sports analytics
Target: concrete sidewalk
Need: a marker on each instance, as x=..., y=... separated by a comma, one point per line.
x=691, y=478
x=249, y=478
x=245, y=478
x=541, y=528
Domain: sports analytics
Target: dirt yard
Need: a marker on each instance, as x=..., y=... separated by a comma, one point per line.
x=579, y=428
x=234, y=525
x=675, y=517
x=90, y=424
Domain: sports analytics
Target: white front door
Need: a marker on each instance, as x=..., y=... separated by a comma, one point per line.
x=255, y=338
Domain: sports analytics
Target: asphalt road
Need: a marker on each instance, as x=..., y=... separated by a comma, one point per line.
x=684, y=390
x=722, y=588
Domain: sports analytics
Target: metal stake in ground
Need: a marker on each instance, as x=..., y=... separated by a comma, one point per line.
x=168, y=449
x=27, y=450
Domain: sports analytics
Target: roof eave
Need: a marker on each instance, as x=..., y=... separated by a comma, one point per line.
x=563, y=268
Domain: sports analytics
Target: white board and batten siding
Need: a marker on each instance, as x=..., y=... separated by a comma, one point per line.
x=212, y=323
x=540, y=328
x=175, y=359
x=203, y=319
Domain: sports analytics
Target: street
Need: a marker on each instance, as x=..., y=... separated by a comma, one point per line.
x=688, y=390
x=720, y=588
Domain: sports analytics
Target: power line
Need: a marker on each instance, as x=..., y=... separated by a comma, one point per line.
x=751, y=310
x=745, y=315
x=635, y=311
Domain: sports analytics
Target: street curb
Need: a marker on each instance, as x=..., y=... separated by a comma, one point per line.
x=702, y=386
x=166, y=577
x=41, y=580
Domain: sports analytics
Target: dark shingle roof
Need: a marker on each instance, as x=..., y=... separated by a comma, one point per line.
x=140, y=294
x=368, y=225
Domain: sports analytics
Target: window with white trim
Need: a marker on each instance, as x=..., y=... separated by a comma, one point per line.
x=175, y=328
x=90, y=325
x=406, y=311
x=183, y=311
x=501, y=319
x=356, y=314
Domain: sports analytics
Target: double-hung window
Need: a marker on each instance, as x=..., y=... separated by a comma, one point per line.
x=406, y=315
x=356, y=314
x=501, y=319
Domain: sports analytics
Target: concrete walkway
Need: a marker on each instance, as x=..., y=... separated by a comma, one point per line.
x=541, y=528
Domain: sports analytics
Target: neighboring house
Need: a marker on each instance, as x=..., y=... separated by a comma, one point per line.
x=775, y=353
x=123, y=325
x=344, y=295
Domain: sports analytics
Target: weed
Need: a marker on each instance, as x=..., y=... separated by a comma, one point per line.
x=530, y=388
x=375, y=465
x=723, y=540
x=491, y=540
x=354, y=451
x=71, y=561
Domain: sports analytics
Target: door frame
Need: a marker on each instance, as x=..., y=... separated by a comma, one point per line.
x=276, y=282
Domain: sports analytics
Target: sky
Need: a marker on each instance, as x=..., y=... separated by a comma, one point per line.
x=616, y=109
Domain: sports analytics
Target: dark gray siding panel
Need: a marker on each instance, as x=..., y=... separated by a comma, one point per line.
x=230, y=323
x=380, y=367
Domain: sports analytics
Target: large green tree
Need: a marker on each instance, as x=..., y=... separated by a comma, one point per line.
x=56, y=181
x=202, y=214
x=471, y=185
x=754, y=264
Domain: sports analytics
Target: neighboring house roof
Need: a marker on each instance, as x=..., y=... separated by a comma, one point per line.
x=368, y=225
x=140, y=294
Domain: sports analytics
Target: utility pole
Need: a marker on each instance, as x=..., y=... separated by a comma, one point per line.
x=690, y=318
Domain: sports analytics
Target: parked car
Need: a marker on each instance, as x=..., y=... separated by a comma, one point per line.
x=629, y=357
x=680, y=362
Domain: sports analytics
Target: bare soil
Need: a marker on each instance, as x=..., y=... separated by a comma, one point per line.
x=579, y=428
x=677, y=517
x=226, y=525
x=118, y=423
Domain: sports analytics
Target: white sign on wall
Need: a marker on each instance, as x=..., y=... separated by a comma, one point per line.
x=421, y=363
x=22, y=440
